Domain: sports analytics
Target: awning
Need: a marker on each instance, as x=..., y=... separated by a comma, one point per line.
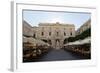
x=80, y=42
x=34, y=41
x=86, y=40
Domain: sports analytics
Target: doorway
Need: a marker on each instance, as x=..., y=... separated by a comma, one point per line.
x=57, y=44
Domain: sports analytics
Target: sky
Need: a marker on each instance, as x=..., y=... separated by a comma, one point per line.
x=36, y=17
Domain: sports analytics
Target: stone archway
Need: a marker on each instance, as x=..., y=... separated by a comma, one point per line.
x=57, y=44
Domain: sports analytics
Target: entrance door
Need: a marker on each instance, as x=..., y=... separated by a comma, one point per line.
x=57, y=44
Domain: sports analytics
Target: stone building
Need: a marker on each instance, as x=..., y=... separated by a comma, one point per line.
x=27, y=29
x=28, y=36
x=54, y=33
x=84, y=27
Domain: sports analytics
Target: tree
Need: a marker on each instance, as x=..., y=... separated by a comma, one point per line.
x=81, y=36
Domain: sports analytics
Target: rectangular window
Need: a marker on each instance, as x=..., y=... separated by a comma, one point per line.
x=34, y=35
x=64, y=34
x=57, y=33
x=71, y=33
x=49, y=33
x=42, y=33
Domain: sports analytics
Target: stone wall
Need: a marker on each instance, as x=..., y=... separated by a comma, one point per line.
x=27, y=29
x=84, y=27
x=54, y=33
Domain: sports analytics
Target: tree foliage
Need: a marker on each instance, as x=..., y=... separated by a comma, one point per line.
x=81, y=36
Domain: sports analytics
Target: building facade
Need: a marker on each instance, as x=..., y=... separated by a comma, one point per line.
x=84, y=27
x=27, y=29
x=51, y=33
x=54, y=33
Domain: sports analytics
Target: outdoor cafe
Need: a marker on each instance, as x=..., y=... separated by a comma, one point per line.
x=82, y=47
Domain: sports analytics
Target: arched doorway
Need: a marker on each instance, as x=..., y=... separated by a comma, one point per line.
x=57, y=44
